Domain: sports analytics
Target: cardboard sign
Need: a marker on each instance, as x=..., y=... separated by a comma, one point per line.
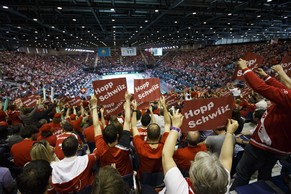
x=147, y=90
x=110, y=90
x=30, y=101
x=172, y=99
x=113, y=108
x=253, y=62
x=205, y=114
x=83, y=90
x=246, y=91
x=72, y=101
x=286, y=64
x=143, y=105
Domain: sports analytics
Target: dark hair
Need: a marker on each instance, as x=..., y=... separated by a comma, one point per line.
x=108, y=181
x=70, y=146
x=145, y=119
x=154, y=131
x=41, y=122
x=46, y=134
x=138, y=114
x=259, y=113
x=67, y=126
x=28, y=131
x=3, y=132
x=34, y=177
x=110, y=133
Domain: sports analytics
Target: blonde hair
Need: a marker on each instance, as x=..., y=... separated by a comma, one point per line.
x=41, y=150
x=208, y=175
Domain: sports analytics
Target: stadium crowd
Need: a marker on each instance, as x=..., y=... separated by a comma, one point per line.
x=50, y=147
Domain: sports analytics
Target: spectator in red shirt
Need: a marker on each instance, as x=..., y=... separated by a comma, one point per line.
x=56, y=127
x=184, y=156
x=111, y=148
x=21, y=151
x=150, y=151
x=46, y=134
x=76, y=122
x=68, y=131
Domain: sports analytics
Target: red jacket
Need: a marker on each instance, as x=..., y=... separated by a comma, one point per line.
x=273, y=133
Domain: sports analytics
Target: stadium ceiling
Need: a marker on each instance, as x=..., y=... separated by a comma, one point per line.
x=147, y=23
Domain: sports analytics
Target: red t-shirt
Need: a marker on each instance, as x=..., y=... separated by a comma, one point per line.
x=117, y=154
x=68, y=175
x=77, y=124
x=143, y=133
x=184, y=156
x=150, y=160
x=89, y=134
x=56, y=128
x=60, y=138
x=51, y=139
x=21, y=152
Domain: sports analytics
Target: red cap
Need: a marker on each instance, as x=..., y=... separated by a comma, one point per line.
x=45, y=127
x=4, y=124
x=58, y=115
x=73, y=117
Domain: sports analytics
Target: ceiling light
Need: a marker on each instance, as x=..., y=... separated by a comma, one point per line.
x=156, y=10
x=259, y=16
x=146, y=21
x=269, y=0
x=113, y=20
x=59, y=8
x=83, y=26
x=204, y=22
x=175, y=22
x=5, y=7
x=74, y=20
x=53, y=27
x=18, y=27
x=34, y=19
x=112, y=9
x=194, y=13
x=229, y=14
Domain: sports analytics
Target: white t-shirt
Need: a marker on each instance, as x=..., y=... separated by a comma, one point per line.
x=176, y=183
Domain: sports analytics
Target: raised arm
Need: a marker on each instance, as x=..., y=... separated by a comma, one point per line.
x=285, y=79
x=102, y=117
x=153, y=119
x=226, y=153
x=127, y=118
x=169, y=147
x=167, y=118
x=96, y=125
x=133, y=119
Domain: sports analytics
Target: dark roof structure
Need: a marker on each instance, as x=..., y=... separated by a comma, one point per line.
x=145, y=23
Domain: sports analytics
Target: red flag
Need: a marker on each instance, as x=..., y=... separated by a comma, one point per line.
x=83, y=90
x=147, y=90
x=110, y=90
x=205, y=114
x=253, y=62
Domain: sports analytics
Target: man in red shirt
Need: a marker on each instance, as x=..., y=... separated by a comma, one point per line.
x=56, y=127
x=73, y=173
x=69, y=131
x=184, y=156
x=110, y=148
x=150, y=151
x=21, y=151
x=46, y=134
x=271, y=138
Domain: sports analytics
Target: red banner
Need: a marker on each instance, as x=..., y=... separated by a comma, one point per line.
x=110, y=90
x=205, y=114
x=246, y=91
x=253, y=62
x=147, y=90
x=286, y=64
x=113, y=108
x=30, y=101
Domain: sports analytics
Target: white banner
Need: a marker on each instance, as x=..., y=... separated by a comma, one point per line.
x=128, y=51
